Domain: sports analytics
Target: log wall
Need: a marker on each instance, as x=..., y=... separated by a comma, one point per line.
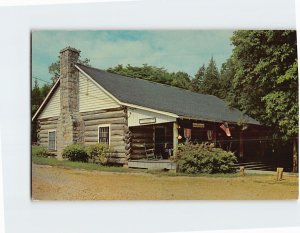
x=117, y=119
x=141, y=135
x=44, y=125
x=144, y=135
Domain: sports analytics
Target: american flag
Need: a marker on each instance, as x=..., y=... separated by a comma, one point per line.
x=187, y=133
x=226, y=129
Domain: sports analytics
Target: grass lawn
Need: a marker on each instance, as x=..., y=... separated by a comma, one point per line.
x=64, y=180
x=78, y=165
x=91, y=166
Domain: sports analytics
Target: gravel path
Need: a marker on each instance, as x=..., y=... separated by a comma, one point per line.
x=54, y=183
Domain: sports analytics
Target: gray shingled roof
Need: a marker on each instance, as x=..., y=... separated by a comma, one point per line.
x=166, y=98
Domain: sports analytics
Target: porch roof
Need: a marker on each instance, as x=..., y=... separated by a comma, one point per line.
x=184, y=103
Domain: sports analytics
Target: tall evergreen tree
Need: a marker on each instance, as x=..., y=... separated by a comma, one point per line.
x=227, y=73
x=197, y=81
x=210, y=84
x=36, y=97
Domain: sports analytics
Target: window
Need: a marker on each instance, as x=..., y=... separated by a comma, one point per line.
x=104, y=134
x=52, y=140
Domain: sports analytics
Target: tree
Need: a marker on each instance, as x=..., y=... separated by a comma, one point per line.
x=154, y=74
x=265, y=83
x=225, y=83
x=35, y=97
x=210, y=84
x=54, y=68
x=197, y=81
x=266, y=80
x=38, y=95
x=180, y=79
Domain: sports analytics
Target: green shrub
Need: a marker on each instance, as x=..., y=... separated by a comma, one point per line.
x=204, y=158
x=39, y=151
x=98, y=153
x=75, y=152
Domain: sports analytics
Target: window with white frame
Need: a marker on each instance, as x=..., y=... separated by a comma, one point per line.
x=104, y=134
x=52, y=140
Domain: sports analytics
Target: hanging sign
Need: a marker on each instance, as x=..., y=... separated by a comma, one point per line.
x=147, y=120
x=198, y=125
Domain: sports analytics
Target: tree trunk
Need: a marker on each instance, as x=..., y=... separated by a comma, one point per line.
x=295, y=156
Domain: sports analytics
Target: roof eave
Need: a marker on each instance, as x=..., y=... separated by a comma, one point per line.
x=214, y=120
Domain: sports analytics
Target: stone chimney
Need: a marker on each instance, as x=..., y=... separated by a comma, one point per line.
x=70, y=126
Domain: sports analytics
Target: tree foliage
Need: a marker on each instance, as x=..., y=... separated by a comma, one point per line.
x=225, y=83
x=210, y=84
x=265, y=77
x=154, y=74
x=207, y=80
x=197, y=81
x=38, y=95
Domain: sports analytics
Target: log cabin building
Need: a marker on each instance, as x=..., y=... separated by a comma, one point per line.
x=88, y=105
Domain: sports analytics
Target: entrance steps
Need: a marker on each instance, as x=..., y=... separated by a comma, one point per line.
x=257, y=166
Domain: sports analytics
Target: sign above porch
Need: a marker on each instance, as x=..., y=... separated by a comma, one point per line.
x=198, y=125
x=144, y=121
x=137, y=117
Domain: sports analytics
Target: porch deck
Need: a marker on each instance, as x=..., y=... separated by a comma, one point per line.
x=152, y=164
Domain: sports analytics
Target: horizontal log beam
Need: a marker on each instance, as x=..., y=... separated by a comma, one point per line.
x=117, y=133
x=142, y=130
x=137, y=156
x=119, y=120
x=44, y=131
x=50, y=126
x=108, y=115
x=112, y=126
x=138, y=151
x=93, y=140
x=120, y=149
x=48, y=119
x=142, y=146
x=117, y=143
x=142, y=136
x=143, y=140
x=95, y=133
x=117, y=139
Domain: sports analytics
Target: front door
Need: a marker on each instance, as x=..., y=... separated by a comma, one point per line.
x=159, y=140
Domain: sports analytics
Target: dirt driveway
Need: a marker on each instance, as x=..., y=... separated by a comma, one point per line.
x=54, y=183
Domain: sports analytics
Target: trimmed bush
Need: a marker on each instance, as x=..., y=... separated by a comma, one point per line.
x=39, y=151
x=98, y=153
x=75, y=152
x=204, y=158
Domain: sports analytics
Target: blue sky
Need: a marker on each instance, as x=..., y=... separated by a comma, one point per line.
x=183, y=50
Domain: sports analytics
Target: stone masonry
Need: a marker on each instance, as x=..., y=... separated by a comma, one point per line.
x=70, y=124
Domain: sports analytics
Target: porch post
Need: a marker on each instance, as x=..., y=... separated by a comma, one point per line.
x=175, y=138
x=241, y=145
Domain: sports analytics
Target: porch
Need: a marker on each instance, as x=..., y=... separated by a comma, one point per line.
x=249, y=143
